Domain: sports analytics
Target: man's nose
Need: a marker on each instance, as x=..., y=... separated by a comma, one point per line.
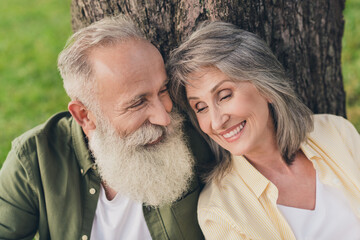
x=159, y=113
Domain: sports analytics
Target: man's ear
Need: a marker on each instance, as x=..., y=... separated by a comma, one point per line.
x=82, y=115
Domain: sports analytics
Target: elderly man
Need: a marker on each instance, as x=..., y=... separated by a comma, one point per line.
x=117, y=166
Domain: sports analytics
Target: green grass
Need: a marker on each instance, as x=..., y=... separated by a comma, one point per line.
x=34, y=32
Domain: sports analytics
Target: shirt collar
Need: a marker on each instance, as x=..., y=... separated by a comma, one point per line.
x=309, y=151
x=255, y=180
x=252, y=177
x=81, y=149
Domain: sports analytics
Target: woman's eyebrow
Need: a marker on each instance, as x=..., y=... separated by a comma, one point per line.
x=219, y=84
x=214, y=88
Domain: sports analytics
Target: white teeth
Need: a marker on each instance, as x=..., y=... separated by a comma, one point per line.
x=235, y=131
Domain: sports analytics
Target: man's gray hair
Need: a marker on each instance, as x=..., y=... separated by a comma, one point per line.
x=243, y=56
x=73, y=61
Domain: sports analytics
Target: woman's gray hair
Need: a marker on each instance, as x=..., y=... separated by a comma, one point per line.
x=242, y=56
x=73, y=61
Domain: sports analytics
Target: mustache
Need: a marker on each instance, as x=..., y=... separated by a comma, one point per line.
x=149, y=133
x=146, y=134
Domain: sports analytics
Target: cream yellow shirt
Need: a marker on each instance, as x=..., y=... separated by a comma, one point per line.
x=244, y=205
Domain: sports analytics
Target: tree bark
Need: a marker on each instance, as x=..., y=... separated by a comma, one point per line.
x=304, y=35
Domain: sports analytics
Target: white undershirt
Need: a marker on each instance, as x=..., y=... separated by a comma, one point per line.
x=120, y=218
x=332, y=217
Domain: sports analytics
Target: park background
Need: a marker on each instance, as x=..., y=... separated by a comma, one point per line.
x=32, y=33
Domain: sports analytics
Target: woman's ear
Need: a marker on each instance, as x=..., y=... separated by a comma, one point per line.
x=82, y=115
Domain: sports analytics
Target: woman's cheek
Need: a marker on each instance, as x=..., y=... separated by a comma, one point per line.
x=204, y=124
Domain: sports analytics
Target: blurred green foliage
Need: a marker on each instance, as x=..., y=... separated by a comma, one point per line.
x=34, y=32
x=351, y=61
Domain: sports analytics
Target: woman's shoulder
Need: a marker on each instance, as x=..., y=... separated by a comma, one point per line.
x=210, y=195
x=336, y=136
x=328, y=125
x=329, y=119
x=216, y=204
x=223, y=194
x=213, y=193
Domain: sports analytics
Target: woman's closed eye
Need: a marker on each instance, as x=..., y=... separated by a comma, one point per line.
x=224, y=94
x=200, y=107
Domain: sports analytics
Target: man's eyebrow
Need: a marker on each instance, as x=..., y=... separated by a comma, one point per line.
x=131, y=101
x=140, y=96
x=214, y=88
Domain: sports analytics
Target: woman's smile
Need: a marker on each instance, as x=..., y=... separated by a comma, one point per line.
x=233, y=133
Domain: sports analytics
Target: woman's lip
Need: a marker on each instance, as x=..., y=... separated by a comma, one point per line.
x=230, y=129
x=234, y=133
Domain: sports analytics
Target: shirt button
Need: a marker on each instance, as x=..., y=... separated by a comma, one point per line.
x=82, y=171
x=92, y=191
x=84, y=237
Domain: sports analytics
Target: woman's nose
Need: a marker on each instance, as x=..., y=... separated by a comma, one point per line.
x=218, y=119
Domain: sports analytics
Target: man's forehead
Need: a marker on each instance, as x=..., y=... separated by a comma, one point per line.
x=128, y=71
x=118, y=58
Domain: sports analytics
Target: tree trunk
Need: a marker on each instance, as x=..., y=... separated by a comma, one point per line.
x=304, y=35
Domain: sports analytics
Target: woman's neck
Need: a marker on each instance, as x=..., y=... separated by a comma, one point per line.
x=269, y=162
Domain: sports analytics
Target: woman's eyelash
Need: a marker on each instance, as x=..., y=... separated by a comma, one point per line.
x=227, y=96
x=200, y=110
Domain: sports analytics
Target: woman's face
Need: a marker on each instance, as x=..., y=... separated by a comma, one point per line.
x=232, y=113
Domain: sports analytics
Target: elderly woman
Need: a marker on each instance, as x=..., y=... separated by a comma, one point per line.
x=281, y=172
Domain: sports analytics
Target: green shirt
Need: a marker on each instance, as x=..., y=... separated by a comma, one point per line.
x=49, y=184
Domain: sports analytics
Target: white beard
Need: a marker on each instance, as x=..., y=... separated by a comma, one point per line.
x=153, y=175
